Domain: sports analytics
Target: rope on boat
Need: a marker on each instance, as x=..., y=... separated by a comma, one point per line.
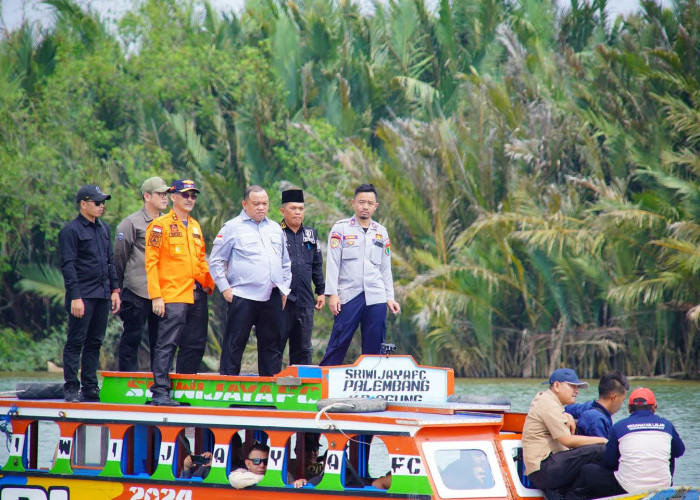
x=324, y=411
x=6, y=427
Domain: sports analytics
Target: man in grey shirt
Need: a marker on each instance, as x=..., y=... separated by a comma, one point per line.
x=250, y=266
x=359, y=283
x=129, y=259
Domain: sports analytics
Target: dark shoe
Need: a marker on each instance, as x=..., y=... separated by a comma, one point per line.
x=164, y=401
x=90, y=394
x=72, y=394
x=553, y=494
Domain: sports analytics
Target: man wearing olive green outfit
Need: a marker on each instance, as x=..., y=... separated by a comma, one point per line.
x=129, y=259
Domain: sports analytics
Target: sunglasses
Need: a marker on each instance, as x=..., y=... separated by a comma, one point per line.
x=187, y=196
x=97, y=203
x=258, y=461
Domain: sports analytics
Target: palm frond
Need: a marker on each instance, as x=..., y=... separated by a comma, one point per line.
x=43, y=280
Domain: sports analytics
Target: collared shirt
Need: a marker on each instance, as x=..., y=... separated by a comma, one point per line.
x=641, y=449
x=593, y=419
x=175, y=259
x=544, y=424
x=359, y=262
x=130, y=252
x=87, y=262
x=304, y=250
x=251, y=258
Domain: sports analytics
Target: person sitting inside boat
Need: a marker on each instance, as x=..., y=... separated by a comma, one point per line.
x=314, y=466
x=594, y=418
x=470, y=471
x=640, y=454
x=308, y=457
x=255, y=467
x=196, y=465
x=553, y=455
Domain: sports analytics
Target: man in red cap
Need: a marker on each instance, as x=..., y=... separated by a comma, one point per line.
x=553, y=455
x=640, y=453
x=178, y=284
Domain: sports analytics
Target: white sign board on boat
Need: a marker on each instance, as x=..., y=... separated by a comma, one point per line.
x=393, y=378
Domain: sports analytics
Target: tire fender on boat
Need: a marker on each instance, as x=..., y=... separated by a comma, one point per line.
x=351, y=405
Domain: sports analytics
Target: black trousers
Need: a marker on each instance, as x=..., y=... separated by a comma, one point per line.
x=83, y=343
x=241, y=315
x=184, y=326
x=560, y=470
x=136, y=314
x=297, y=324
x=595, y=481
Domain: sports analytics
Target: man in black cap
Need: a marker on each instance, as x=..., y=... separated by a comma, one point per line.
x=307, y=266
x=87, y=264
x=178, y=283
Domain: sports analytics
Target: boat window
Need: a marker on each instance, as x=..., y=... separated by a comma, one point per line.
x=141, y=450
x=305, y=457
x=90, y=447
x=367, y=459
x=41, y=445
x=513, y=448
x=197, y=441
x=236, y=460
x=378, y=462
x=463, y=469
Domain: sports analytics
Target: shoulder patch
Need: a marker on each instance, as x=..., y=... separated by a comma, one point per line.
x=155, y=238
x=387, y=247
x=120, y=236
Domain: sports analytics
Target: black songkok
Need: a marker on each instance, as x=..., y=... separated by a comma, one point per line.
x=293, y=196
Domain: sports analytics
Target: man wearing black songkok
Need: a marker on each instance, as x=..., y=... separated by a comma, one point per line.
x=307, y=266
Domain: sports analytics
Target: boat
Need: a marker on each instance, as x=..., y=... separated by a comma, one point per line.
x=382, y=414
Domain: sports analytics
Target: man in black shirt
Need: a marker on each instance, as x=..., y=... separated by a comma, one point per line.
x=90, y=278
x=307, y=266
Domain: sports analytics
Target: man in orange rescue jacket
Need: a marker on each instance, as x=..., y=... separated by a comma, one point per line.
x=178, y=284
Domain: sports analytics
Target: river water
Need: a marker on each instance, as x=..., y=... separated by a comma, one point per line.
x=677, y=401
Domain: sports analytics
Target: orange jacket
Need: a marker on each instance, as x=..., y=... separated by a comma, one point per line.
x=175, y=258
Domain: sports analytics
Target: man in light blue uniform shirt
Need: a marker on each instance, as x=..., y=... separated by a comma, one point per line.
x=359, y=284
x=251, y=267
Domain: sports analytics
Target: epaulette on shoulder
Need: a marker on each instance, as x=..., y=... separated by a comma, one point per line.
x=343, y=221
x=161, y=218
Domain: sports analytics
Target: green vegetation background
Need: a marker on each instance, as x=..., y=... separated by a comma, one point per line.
x=537, y=168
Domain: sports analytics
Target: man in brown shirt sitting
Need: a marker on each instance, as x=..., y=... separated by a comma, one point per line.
x=553, y=454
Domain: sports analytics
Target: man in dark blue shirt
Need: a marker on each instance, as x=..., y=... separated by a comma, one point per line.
x=307, y=265
x=90, y=278
x=594, y=418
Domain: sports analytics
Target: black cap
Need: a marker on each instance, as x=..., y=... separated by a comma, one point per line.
x=293, y=196
x=91, y=192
